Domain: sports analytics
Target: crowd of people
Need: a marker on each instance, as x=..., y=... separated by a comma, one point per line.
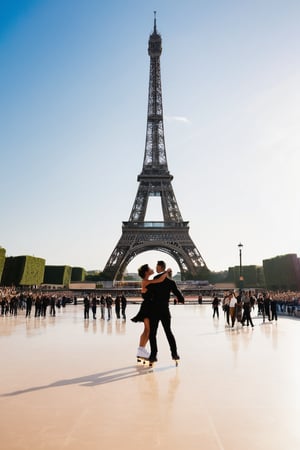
x=34, y=304
x=38, y=304
x=106, y=304
x=237, y=307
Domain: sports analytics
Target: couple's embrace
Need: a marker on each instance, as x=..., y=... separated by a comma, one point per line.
x=155, y=308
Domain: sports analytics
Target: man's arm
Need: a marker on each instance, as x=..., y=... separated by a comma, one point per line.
x=177, y=292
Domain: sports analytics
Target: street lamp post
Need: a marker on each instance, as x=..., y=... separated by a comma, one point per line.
x=240, y=246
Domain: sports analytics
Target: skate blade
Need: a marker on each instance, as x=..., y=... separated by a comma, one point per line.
x=141, y=360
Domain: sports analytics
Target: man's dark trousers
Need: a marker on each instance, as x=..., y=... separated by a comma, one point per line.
x=165, y=319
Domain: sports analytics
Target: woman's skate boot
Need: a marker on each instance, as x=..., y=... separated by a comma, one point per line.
x=142, y=355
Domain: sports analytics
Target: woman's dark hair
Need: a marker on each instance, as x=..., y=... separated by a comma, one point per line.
x=142, y=270
x=162, y=264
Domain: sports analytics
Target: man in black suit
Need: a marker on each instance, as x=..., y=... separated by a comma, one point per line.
x=160, y=311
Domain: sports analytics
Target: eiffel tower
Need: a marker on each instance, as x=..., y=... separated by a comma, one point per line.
x=172, y=234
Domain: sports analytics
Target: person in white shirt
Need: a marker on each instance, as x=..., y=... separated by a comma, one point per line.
x=232, y=308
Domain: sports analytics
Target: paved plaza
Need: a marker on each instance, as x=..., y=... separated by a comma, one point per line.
x=69, y=383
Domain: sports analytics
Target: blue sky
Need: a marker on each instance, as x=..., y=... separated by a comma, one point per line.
x=74, y=89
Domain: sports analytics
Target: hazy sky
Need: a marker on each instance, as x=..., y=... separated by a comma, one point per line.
x=73, y=108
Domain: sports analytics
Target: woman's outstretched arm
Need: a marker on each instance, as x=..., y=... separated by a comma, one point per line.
x=145, y=283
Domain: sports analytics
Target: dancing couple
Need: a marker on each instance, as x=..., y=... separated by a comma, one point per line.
x=155, y=309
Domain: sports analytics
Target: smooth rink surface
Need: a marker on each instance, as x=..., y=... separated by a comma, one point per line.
x=69, y=383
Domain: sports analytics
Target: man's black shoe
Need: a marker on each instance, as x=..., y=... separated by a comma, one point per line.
x=152, y=359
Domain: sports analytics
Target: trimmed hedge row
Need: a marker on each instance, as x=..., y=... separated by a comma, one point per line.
x=282, y=272
x=253, y=276
x=32, y=271
x=2, y=260
x=23, y=271
x=78, y=274
x=58, y=275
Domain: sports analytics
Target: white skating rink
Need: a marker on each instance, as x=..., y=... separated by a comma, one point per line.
x=69, y=383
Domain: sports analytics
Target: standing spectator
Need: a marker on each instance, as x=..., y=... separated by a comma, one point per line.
x=94, y=306
x=28, y=305
x=102, y=306
x=22, y=301
x=232, y=308
x=260, y=305
x=252, y=300
x=267, y=302
x=273, y=309
x=11, y=306
x=226, y=301
x=109, y=303
x=58, y=303
x=52, y=305
x=37, y=306
x=123, y=305
x=3, y=304
x=118, y=306
x=239, y=309
x=44, y=305
x=86, y=303
x=14, y=303
x=7, y=306
x=215, y=305
x=247, y=310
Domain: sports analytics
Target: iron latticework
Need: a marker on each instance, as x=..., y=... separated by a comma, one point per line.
x=172, y=234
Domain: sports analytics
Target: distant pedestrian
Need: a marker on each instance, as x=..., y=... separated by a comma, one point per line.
x=273, y=309
x=123, y=306
x=260, y=305
x=86, y=303
x=3, y=304
x=232, y=308
x=94, y=306
x=44, y=305
x=14, y=303
x=267, y=302
x=52, y=305
x=118, y=306
x=102, y=306
x=109, y=303
x=215, y=305
x=37, y=306
x=239, y=309
x=28, y=305
x=226, y=301
x=247, y=309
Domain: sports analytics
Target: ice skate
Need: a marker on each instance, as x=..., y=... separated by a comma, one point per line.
x=176, y=358
x=152, y=360
x=142, y=355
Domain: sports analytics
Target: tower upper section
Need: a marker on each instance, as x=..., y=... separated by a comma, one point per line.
x=155, y=159
x=154, y=44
